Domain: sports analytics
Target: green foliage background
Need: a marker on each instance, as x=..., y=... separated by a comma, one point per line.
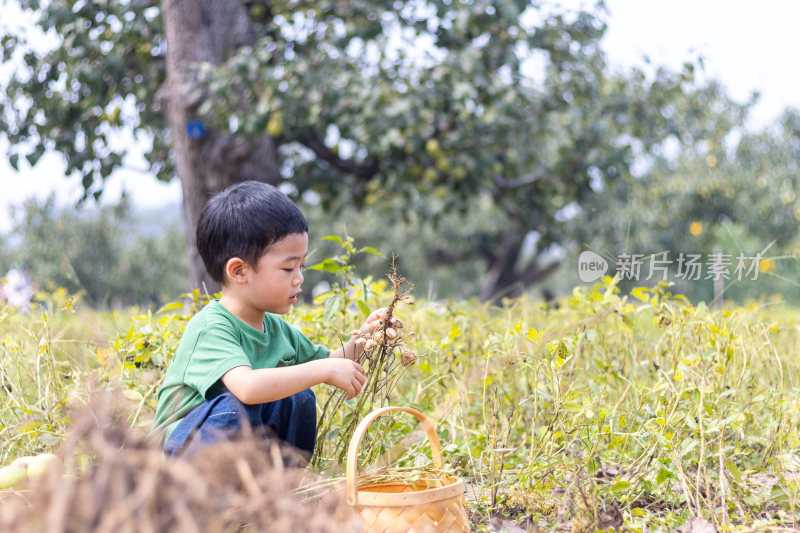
x=507, y=110
x=111, y=255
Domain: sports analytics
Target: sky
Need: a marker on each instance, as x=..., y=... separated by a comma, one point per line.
x=749, y=46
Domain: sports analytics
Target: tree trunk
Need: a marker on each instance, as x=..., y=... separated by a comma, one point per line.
x=506, y=279
x=206, y=160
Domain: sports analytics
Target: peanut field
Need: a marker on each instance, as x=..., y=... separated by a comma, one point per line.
x=596, y=411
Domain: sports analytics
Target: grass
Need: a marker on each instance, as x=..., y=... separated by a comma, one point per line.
x=593, y=411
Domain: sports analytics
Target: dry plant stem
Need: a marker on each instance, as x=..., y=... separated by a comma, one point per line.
x=591, y=506
x=693, y=507
x=702, y=485
x=381, y=369
x=493, y=470
x=129, y=486
x=722, y=477
x=476, y=473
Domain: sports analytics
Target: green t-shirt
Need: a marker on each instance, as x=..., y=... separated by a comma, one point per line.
x=216, y=341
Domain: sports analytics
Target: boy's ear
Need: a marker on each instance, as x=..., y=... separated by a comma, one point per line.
x=236, y=270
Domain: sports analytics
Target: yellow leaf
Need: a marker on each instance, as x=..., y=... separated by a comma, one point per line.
x=793, y=439
x=678, y=375
x=171, y=306
x=102, y=355
x=641, y=293
x=533, y=335
x=9, y=341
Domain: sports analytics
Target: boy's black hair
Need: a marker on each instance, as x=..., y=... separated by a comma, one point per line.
x=243, y=221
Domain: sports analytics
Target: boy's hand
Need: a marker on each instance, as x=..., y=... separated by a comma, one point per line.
x=373, y=321
x=345, y=374
x=371, y=325
x=351, y=349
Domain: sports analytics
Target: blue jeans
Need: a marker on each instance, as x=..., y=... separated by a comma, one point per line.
x=293, y=420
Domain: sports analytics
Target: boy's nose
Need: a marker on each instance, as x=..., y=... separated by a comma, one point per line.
x=299, y=279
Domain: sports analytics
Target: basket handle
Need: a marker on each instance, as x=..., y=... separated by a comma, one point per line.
x=361, y=430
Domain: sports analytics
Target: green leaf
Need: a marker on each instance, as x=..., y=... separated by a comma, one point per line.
x=334, y=238
x=779, y=495
x=734, y=471
x=35, y=154
x=369, y=250
x=620, y=486
x=332, y=305
x=328, y=265
x=664, y=475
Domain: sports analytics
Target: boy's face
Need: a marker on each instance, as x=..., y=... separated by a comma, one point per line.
x=275, y=285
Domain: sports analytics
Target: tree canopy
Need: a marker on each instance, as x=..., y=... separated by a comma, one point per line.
x=111, y=255
x=507, y=107
x=738, y=198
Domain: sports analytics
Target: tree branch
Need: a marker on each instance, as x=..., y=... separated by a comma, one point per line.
x=532, y=273
x=313, y=140
x=525, y=179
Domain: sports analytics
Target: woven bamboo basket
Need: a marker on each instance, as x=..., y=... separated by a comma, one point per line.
x=411, y=506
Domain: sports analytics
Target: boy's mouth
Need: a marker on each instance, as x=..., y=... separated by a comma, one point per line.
x=293, y=299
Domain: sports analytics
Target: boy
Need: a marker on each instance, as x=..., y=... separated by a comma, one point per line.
x=237, y=362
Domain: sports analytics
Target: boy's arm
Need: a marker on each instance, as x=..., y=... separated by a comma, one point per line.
x=270, y=384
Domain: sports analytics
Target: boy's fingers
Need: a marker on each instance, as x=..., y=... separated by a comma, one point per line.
x=370, y=327
x=375, y=315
